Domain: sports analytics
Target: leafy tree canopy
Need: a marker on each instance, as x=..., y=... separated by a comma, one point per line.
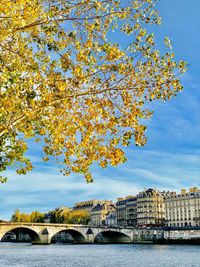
x=35, y=216
x=65, y=215
x=70, y=216
x=67, y=80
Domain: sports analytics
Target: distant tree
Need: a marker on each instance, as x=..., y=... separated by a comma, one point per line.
x=57, y=216
x=16, y=216
x=67, y=80
x=80, y=217
x=35, y=216
x=70, y=216
x=53, y=218
x=20, y=217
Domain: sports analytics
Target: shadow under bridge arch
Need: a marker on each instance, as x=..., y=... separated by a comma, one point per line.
x=112, y=237
x=21, y=234
x=68, y=236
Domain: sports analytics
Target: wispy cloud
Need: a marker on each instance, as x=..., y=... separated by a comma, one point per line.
x=146, y=168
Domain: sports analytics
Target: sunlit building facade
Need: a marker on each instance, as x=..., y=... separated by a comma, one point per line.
x=150, y=208
x=183, y=209
x=100, y=212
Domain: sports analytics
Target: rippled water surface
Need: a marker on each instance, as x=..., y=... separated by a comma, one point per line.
x=12, y=254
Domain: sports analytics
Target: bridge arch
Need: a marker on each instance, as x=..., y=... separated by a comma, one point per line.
x=75, y=236
x=21, y=234
x=111, y=236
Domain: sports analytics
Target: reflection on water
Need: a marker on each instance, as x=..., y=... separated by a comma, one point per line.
x=130, y=255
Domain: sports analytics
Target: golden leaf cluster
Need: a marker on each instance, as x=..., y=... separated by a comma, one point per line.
x=78, y=77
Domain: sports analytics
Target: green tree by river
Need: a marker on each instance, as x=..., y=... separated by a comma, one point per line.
x=65, y=215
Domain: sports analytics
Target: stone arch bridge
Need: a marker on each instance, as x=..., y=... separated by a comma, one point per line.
x=41, y=233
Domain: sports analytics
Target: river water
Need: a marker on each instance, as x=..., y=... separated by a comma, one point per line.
x=125, y=255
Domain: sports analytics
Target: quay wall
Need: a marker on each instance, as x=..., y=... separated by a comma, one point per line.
x=165, y=236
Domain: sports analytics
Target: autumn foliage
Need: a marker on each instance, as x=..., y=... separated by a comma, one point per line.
x=66, y=215
x=77, y=76
x=70, y=216
x=35, y=216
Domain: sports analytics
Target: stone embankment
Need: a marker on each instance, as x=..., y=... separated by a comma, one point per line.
x=166, y=235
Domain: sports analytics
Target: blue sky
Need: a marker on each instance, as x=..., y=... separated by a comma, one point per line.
x=170, y=159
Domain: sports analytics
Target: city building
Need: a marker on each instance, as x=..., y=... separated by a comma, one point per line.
x=121, y=211
x=150, y=208
x=87, y=205
x=183, y=209
x=131, y=210
x=127, y=211
x=111, y=217
x=100, y=211
x=63, y=209
x=47, y=217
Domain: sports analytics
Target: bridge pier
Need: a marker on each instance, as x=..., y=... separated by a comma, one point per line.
x=43, y=240
x=89, y=239
x=40, y=243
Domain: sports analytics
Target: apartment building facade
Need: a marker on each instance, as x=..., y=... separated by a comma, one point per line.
x=100, y=212
x=150, y=208
x=87, y=205
x=131, y=211
x=121, y=211
x=183, y=209
x=126, y=209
